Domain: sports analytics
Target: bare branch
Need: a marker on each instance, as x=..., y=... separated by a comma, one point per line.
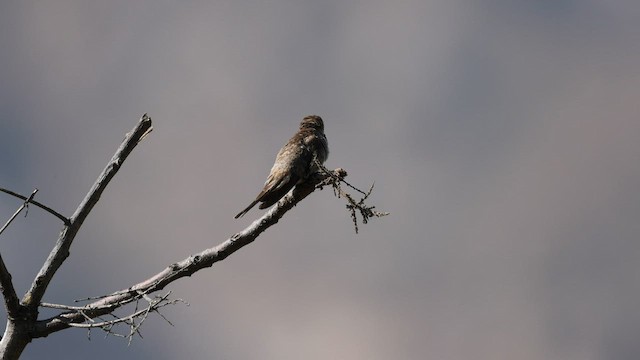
x=92, y=315
x=11, y=301
x=44, y=207
x=69, y=307
x=186, y=267
x=134, y=320
x=61, y=249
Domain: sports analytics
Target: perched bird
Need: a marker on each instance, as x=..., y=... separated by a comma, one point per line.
x=294, y=162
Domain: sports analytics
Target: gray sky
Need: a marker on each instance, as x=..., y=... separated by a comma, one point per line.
x=501, y=135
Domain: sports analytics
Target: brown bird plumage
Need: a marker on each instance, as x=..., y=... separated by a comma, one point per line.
x=294, y=162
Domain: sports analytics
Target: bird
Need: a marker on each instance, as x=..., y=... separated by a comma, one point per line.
x=294, y=163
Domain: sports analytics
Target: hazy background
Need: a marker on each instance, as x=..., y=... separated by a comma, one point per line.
x=503, y=136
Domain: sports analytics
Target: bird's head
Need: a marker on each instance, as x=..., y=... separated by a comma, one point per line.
x=312, y=122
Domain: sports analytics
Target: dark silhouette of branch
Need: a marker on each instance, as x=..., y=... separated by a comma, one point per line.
x=29, y=200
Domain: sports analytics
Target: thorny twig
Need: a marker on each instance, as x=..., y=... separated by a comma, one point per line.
x=335, y=178
x=134, y=320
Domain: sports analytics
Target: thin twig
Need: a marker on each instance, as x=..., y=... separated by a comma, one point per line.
x=25, y=205
x=134, y=321
x=156, y=303
x=29, y=199
x=335, y=178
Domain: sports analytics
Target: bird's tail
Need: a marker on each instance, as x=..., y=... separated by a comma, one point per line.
x=241, y=213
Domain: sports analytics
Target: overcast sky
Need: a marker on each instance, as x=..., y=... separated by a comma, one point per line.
x=501, y=135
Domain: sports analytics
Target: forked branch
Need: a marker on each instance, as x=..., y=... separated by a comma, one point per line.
x=22, y=315
x=187, y=267
x=60, y=252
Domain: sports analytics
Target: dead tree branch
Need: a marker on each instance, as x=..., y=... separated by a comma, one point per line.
x=23, y=315
x=23, y=325
x=187, y=267
x=60, y=251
